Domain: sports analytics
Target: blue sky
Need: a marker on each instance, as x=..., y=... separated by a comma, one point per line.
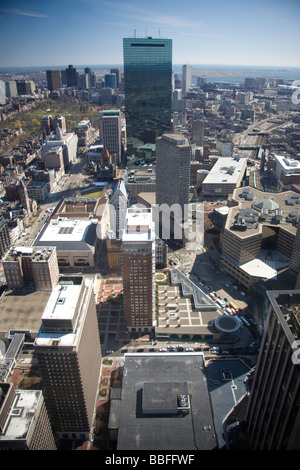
x=232, y=32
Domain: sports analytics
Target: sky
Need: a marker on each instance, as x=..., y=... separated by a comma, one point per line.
x=91, y=32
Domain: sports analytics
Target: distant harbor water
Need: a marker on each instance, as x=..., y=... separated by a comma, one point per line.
x=212, y=73
x=237, y=74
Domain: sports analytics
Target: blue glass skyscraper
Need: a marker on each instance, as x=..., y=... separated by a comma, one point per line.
x=148, y=89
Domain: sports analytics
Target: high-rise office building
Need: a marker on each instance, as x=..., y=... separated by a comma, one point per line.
x=11, y=89
x=118, y=76
x=69, y=355
x=2, y=92
x=186, y=78
x=173, y=157
x=91, y=77
x=273, y=412
x=198, y=131
x=138, y=269
x=111, y=133
x=110, y=80
x=148, y=89
x=25, y=87
x=71, y=76
x=53, y=79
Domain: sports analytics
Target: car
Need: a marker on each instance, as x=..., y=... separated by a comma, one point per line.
x=124, y=350
x=198, y=349
x=152, y=349
x=179, y=348
x=110, y=351
x=163, y=349
x=140, y=350
x=189, y=349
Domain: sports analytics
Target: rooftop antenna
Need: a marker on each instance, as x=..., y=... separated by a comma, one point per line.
x=135, y=33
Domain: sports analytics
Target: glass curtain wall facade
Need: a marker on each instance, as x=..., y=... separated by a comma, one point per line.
x=148, y=90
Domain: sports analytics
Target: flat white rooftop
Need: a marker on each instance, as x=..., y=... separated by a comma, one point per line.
x=65, y=230
x=62, y=305
x=62, y=302
x=288, y=164
x=139, y=226
x=226, y=171
x=258, y=268
x=21, y=414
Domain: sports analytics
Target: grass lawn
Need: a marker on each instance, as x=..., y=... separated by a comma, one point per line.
x=91, y=192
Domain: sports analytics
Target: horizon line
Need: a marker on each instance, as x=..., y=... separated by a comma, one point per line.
x=174, y=63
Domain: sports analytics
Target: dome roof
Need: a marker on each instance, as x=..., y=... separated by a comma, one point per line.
x=267, y=204
x=227, y=324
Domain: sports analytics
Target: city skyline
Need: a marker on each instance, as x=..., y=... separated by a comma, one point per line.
x=91, y=31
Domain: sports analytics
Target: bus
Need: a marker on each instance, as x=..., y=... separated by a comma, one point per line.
x=233, y=306
x=230, y=311
x=245, y=321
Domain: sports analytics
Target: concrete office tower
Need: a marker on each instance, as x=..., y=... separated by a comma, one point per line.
x=91, y=77
x=173, y=157
x=272, y=416
x=198, y=131
x=11, y=89
x=148, y=89
x=118, y=203
x=186, y=78
x=25, y=87
x=69, y=355
x=2, y=92
x=24, y=422
x=53, y=79
x=111, y=134
x=138, y=269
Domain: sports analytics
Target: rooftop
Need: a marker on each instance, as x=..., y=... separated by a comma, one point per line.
x=263, y=208
x=149, y=413
x=22, y=310
x=227, y=170
x=139, y=225
x=21, y=415
x=68, y=234
x=61, y=318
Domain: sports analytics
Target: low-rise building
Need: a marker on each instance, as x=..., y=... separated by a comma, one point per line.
x=75, y=241
x=225, y=176
x=31, y=267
